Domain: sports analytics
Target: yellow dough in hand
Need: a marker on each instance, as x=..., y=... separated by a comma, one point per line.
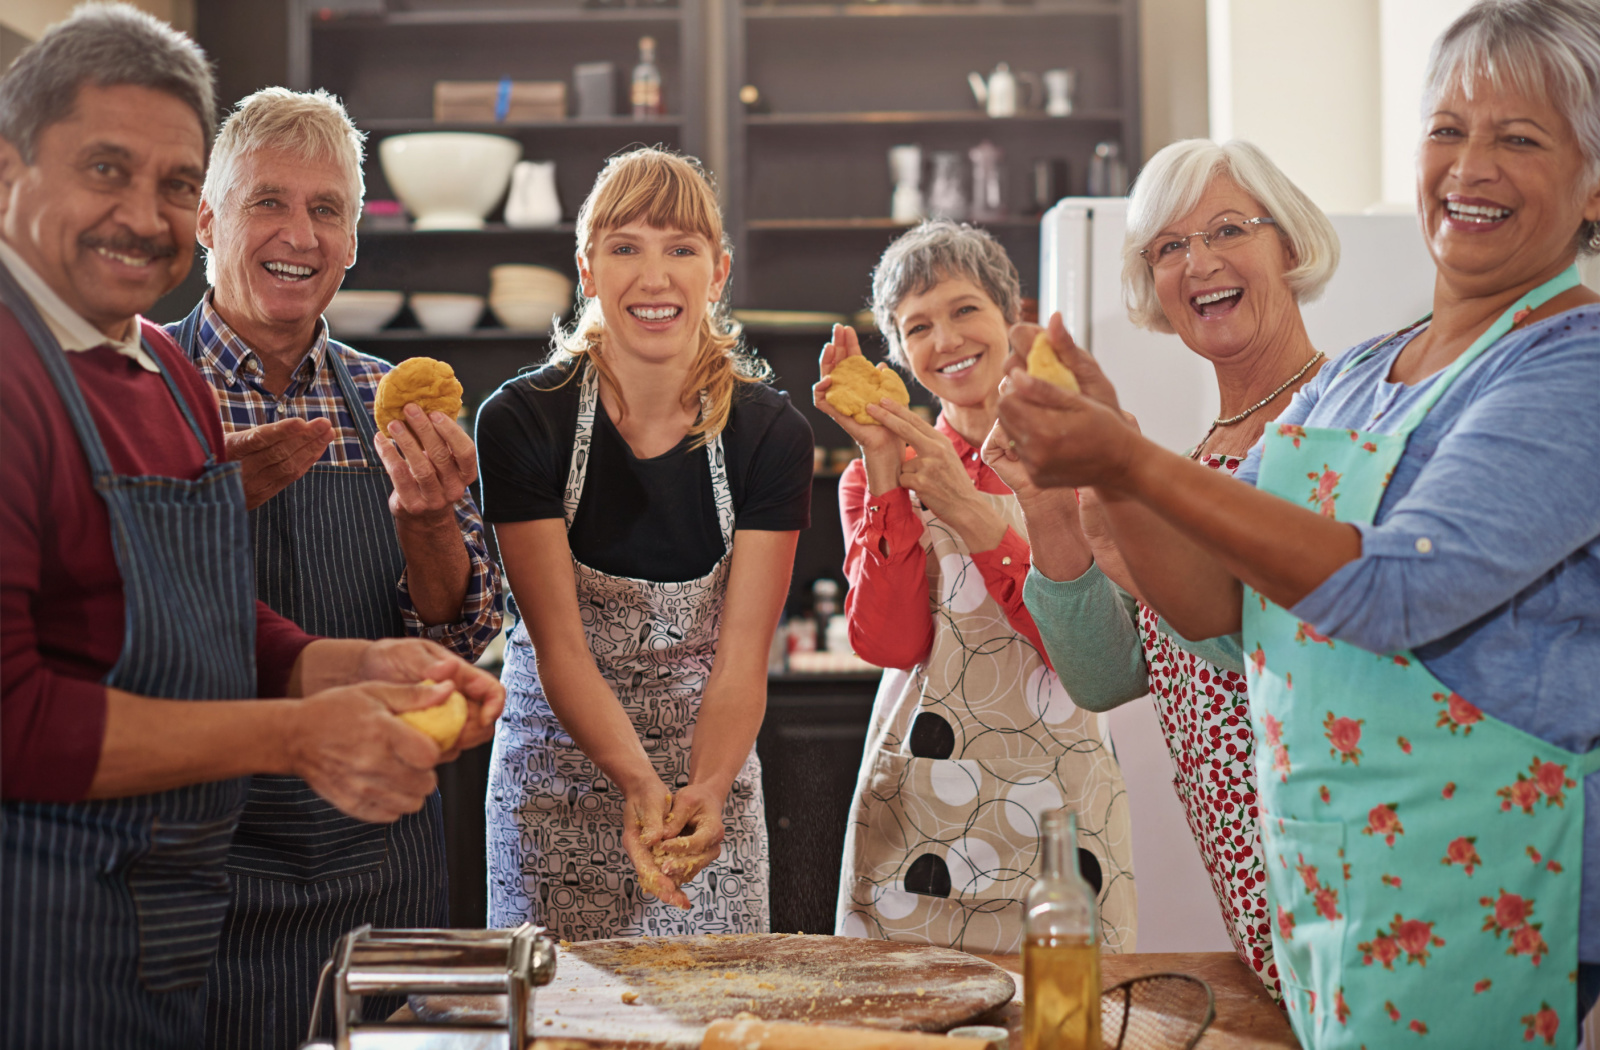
x=431, y=384
x=1044, y=364
x=442, y=722
x=857, y=384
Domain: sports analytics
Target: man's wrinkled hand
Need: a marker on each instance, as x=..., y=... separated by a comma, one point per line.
x=410, y=660
x=274, y=456
x=431, y=461
x=349, y=747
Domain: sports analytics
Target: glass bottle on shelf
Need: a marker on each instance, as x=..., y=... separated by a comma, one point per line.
x=1060, y=947
x=646, y=82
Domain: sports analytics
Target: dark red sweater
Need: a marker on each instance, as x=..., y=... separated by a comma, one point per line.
x=61, y=604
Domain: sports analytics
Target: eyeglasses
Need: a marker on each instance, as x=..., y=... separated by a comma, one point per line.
x=1223, y=235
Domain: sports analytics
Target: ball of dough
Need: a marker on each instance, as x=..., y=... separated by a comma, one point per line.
x=442, y=722
x=431, y=384
x=856, y=384
x=1043, y=363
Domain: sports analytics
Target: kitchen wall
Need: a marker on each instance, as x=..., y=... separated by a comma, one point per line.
x=1329, y=88
x=29, y=18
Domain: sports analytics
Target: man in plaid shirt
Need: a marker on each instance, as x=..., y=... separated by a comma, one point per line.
x=356, y=533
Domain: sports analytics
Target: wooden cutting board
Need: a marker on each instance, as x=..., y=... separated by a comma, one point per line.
x=678, y=985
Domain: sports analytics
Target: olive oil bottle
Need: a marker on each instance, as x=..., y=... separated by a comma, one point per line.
x=1061, y=947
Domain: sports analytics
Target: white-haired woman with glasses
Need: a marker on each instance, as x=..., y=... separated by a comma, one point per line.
x=1221, y=249
x=972, y=736
x=1413, y=557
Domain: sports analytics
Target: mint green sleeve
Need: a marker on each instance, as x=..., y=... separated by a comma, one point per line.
x=1088, y=628
x=1225, y=652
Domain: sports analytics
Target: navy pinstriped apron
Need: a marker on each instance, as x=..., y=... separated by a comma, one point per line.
x=112, y=908
x=326, y=556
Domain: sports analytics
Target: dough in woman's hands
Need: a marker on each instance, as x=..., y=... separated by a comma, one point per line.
x=442, y=722
x=1044, y=364
x=431, y=384
x=857, y=384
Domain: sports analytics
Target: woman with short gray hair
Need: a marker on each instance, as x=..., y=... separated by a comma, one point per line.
x=1412, y=554
x=1231, y=292
x=973, y=737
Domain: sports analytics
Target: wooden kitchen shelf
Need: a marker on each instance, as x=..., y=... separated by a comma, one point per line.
x=498, y=16
x=947, y=10
x=421, y=335
x=871, y=222
x=417, y=124
x=900, y=117
x=492, y=229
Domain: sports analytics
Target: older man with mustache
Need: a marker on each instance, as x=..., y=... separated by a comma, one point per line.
x=131, y=643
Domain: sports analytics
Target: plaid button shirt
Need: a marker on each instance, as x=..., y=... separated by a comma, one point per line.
x=236, y=373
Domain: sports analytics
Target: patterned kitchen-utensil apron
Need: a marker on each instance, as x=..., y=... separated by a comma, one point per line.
x=112, y=908
x=554, y=821
x=965, y=752
x=304, y=874
x=1424, y=859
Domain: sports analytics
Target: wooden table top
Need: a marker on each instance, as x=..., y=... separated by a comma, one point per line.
x=1247, y=1018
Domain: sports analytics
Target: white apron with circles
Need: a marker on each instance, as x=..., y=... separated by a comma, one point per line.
x=965, y=752
x=554, y=821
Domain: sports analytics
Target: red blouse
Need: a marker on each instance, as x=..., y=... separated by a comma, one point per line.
x=887, y=606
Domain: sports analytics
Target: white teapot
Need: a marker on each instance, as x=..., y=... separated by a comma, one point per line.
x=998, y=95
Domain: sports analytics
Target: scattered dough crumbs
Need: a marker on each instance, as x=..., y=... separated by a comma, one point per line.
x=922, y=991
x=630, y=998
x=767, y=985
x=565, y=945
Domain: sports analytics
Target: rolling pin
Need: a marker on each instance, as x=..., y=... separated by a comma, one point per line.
x=777, y=1035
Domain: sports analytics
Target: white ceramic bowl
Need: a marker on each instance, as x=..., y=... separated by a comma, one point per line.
x=530, y=315
x=449, y=180
x=446, y=313
x=537, y=281
x=361, y=313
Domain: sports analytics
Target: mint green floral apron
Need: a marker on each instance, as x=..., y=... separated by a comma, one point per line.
x=1423, y=859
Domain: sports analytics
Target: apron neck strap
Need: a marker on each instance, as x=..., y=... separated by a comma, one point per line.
x=366, y=427
x=1525, y=305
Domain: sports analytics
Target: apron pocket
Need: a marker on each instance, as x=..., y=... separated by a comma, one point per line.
x=290, y=833
x=1307, y=892
x=951, y=846
x=181, y=893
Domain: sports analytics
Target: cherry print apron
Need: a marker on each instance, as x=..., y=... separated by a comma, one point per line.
x=1424, y=858
x=1205, y=720
x=554, y=821
x=964, y=754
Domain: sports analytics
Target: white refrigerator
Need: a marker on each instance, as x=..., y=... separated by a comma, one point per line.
x=1384, y=281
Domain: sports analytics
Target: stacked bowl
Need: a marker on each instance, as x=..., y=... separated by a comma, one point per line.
x=529, y=298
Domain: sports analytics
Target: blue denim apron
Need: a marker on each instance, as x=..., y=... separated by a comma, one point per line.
x=112, y=908
x=326, y=557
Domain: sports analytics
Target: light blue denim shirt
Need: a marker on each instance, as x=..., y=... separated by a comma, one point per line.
x=1502, y=479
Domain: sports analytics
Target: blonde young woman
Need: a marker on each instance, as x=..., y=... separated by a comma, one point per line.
x=647, y=491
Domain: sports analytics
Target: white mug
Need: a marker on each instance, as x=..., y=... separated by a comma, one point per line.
x=1058, y=85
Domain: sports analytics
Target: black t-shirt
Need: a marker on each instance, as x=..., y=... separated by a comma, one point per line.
x=648, y=519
